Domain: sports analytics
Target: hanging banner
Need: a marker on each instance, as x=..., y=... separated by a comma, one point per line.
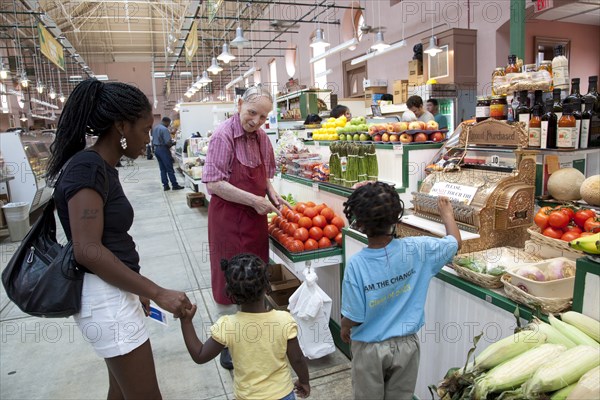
x=191, y=44
x=51, y=48
x=168, y=89
x=212, y=6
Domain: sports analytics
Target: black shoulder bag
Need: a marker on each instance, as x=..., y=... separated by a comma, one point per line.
x=42, y=277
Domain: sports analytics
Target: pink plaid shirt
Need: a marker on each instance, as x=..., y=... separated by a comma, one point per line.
x=249, y=147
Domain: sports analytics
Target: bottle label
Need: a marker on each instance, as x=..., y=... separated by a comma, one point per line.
x=560, y=76
x=498, y=110
x=585, y=134
x=525, y=119
x=576, y=133
x=482, y=111
x=565, y=137
x=535, y=137
x=544, y=135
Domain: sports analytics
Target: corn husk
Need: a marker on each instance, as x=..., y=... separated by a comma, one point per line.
x=585, y=324
x=572, y=332
x=563, y=393
x=507, y=348
x=588, y=386
x=514, y=372
x=562, y=371
x=553, y=335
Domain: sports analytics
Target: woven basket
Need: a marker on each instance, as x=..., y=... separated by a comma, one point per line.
x=556, y=244
x=491, y=281
x=545, y=304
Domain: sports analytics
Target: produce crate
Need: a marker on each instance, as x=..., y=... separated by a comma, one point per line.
x=546, y=305
x=281, y=278
x=556, y=244
x=195, y=200
x=279, y=299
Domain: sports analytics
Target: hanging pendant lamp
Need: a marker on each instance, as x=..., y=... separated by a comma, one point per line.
x=3, y=71
x=61, y=98
x=226, y=55
x=52, y=93
x=221, y=95
x=318, y=41
x=433, y=48
x=240, y=41
x=40, y=87
x=205, y=79
x=379, y=44
x=23, y=79
x=214, y=68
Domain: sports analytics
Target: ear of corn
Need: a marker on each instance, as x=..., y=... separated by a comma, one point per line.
x=572, y=333
x=552, y=334
x=563, y=393
x=565, y=369
x=585, y=324
x=514, y=372
x=507, y=348
x=588, y=386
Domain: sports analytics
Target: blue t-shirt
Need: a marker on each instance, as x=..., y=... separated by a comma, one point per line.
x=441, y=120
x=385, y=289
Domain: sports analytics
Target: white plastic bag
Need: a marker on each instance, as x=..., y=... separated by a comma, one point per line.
x=311, y=308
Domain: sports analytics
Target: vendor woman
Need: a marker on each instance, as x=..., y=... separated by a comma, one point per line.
x=239, y=164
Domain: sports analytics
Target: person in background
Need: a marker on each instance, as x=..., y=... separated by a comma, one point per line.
x=261, y=358
x=415, y=104
x=96, y=216
x=434, y=108
x=340, y=110
x=161, y=140
x=239, y=165
x=384, y=291
x=312, y=119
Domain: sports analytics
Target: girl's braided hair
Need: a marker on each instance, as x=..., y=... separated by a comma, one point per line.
x=92, y=108
x=246, y=278
x=375, y=207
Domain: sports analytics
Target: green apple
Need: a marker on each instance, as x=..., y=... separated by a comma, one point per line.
x=364, y=137
x=342, y=136
x=356, y=137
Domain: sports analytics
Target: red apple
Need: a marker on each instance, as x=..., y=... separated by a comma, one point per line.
x=396, y=127
x=377, y=138
x=423, y=125
x=385, y=137
x=403, y=126
x=432, y=125
x=406, y=138
x=415, y=125
x=393, y=138
x=420, y=137
x=436, y=137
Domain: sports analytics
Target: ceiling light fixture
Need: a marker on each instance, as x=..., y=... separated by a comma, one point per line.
x=240, y=41
x=23, y=117
x=214, y=68
x=205, y=79
x=39, y=87
x=61, y=98
x=3, y=71
x=433, y=48
x=221, y=95
x=226, y=55
x=233, y=82
x=52, y=93
x=250, y=72
x=343, y=46
x=379, y=44
x=318, y=41
x=377, y=53
x=23, y=79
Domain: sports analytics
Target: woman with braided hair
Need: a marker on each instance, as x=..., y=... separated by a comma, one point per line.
x=384, y=291
x=96, y=216
x=260, y=341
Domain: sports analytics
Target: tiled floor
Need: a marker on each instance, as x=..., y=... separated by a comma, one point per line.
x=48, y=358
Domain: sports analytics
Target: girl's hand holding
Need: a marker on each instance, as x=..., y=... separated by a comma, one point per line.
x=302, y=389
x=188, y=315
x=173, y=301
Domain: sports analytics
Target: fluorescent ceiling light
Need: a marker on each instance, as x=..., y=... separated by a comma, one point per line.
x=233, y=82
x=185, y=73
x=336, y=49
x=75, y=78
x=160, y=75
x=102, y=77
x=249, y=72
x=377, y=53
x=324, y=73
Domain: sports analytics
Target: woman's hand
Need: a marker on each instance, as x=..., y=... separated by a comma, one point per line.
x=145, y=305
x=173, y=301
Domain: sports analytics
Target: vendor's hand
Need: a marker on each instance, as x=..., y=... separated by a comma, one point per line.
x=263, y=206
x=278, y=201
x=302, y=389
x=345, y=334
x=145, y=305
x=188, y=315
x=173, y=301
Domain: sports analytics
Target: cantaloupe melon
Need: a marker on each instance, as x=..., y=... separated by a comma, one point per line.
x=564, y=184
x=590, y=190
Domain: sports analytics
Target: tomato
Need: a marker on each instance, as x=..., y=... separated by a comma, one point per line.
x=296, y=246
x=338, y=238
x=541, y=220
x=271, y=228
x=545, y=210
x=584, y=234
x=583, y=215
x=301, y=234
x=592, y=225
x=299, y=207
x=275, y=232
x=319, y=221
x=291, y=228
x=305, y=222
x=324, y=243
x=284, y=226
x=320, y=207
x=337, y=221
x=569, y=211
x=275, y=220
x=568, y=236
x=573, y=228
x=315, y=233
x=295, y=217
x=310, y=212
x=554, y=233
x=328, y=213
x=310, y=204
x=558, y=219
x=311, y=244
x=284, y=210
x=331, y=231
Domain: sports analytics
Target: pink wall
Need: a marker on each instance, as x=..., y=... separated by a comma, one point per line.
x=584, y=59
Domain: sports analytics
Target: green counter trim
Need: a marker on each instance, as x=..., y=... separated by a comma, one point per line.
x=307, y=256
x=379, y=145
x=539, y=179
x=329, y=188
x=584, y=267
x=337, y=338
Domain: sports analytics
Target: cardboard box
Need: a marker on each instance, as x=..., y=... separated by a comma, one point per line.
x=281, y=278
x=373, y=94
x=415, y=67
x=416, y=80
x=400, y=91
x=280, y=299
x=195, y=199
x=376, y=90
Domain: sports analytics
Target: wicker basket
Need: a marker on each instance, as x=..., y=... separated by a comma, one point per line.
x=545, y=304
x=557, y=244
x=491, y=281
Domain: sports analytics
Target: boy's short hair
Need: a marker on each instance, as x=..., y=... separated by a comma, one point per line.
x=374, y=207
x=414, y=101
x=166, y=120
x=338, y=111
x=433, y=101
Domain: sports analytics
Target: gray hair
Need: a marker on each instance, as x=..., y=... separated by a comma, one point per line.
x=258, y=90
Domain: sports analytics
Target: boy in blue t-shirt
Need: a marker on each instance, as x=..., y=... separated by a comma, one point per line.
x=384, y=291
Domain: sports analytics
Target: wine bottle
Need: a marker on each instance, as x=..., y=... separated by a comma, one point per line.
x=575, y=93
x=548, y=127
x=586, y=120
x=523, y=112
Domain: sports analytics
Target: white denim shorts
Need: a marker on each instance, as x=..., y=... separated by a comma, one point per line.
x=111, y=319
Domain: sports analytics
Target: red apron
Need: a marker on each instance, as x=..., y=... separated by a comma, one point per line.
x=235, y=228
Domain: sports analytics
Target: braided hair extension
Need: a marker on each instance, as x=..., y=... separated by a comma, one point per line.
x=376, y=207
x=246, y=277
x=92, y=108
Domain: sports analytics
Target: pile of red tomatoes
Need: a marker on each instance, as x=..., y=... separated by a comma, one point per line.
x=566, y=222
x=307, y=227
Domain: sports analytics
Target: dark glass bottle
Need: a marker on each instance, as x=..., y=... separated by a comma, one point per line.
x=548, y=127
x=575, y=93
x=557, y=108
x=576, y=107
x=586, y=120
x=523, y=112
x=593, y=94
